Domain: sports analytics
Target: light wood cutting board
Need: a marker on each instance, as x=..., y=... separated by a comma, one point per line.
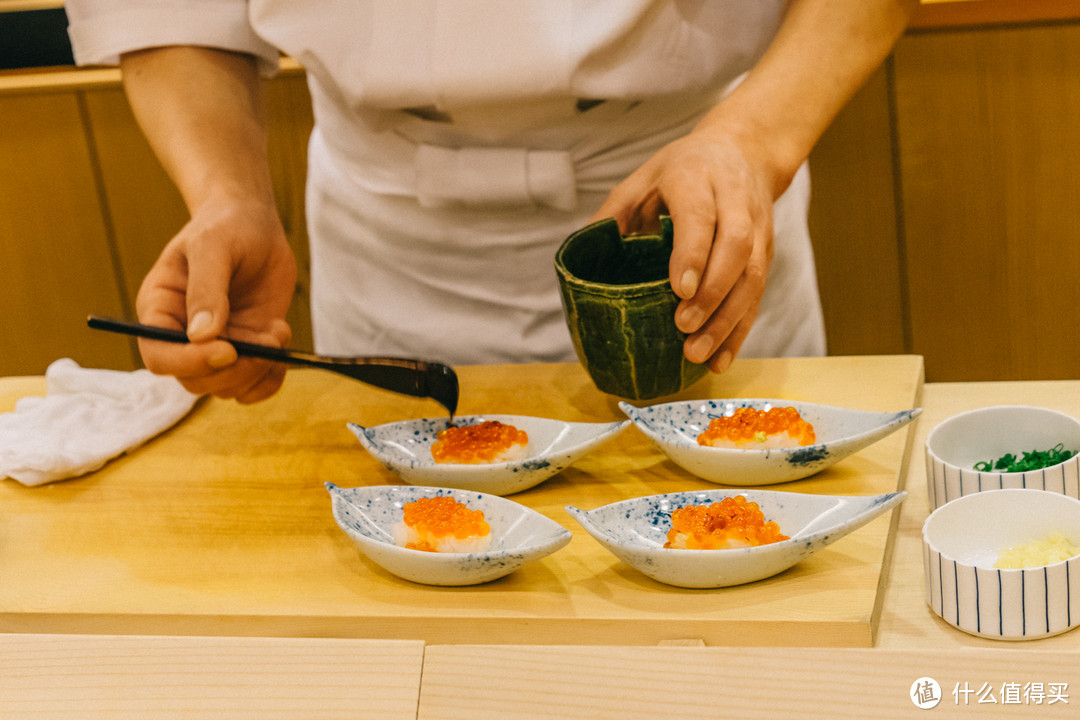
x=222, y=525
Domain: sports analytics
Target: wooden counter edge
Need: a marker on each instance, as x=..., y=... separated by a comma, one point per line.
x=807, y=683
x=65, y=78
x=196, y=678
x=968, y=13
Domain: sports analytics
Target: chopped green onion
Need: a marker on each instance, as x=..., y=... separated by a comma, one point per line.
x=1034, y=460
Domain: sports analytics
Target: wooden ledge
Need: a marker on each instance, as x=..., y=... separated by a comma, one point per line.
x=940, y=14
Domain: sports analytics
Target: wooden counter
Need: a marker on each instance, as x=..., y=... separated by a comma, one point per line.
x=120, y=677
x=153, y=678
x=906, y=620
x=589, y=683
x=161, y=678
x=222, y=526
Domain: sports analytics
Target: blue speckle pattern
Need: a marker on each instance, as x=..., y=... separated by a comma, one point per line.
x=554, y=445
x=815, y=456
x=674, y=428
x=635, y=531
x=519, y=535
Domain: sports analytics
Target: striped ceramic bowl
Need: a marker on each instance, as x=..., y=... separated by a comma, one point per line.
x=962, y=541
x=955, y=446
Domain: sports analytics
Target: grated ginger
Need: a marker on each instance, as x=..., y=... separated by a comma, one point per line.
x=1054, y=548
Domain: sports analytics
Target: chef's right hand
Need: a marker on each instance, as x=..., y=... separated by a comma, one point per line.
x=229, y=272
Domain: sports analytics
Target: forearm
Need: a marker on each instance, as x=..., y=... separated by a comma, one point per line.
x=824, y=52
x=200, y=110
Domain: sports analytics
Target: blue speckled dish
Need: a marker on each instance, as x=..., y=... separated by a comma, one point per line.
x=519, y=534
x=840, y=432
x=635, y=531
x=554, y=445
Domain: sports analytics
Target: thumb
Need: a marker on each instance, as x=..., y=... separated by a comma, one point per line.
x=207, y=295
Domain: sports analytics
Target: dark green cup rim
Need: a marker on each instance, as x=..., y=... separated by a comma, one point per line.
x=611, y=290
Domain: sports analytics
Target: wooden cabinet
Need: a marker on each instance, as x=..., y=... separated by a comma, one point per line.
x=944, y=212
x=57, y=259
x=85, y=208
x=855, y=228
x=988, y=152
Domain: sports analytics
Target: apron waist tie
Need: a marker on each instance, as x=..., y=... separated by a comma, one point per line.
x=494, y=176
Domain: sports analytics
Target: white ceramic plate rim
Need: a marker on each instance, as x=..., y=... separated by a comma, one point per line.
x=967, y=414
x=601, y=431
x=698, y=497
x=453, y=558
x=678, y=440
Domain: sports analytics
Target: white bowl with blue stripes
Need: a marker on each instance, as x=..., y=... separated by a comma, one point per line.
x=404, y=448
x=840, y=432
x=635, y=531
x=961, y=543
x=519, y=535
x=955, y=445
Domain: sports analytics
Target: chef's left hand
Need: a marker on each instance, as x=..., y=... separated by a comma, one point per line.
x=719, y=190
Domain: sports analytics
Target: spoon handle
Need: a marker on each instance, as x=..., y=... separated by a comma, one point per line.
x=151, y=332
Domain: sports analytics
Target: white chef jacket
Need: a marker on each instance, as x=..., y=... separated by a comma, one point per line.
x=456, y=144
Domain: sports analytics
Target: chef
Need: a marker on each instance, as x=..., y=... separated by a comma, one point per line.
x=457, y=143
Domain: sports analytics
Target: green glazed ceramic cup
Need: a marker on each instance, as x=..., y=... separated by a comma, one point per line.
x=620, y=309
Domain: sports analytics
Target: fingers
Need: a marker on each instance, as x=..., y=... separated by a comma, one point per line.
x=161, y=302
x=634, y=205
x=229, y=273
x=246, y=380
x=719, y=263
x=723, y=331
x=726, y=330
x=729, y=349
x=267, y=386
x=207, y=303
x=208, y=365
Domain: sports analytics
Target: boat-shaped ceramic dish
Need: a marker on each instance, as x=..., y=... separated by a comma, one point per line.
x=519, y=535
x=554, y=445
x=840, y=432
x=635, y=532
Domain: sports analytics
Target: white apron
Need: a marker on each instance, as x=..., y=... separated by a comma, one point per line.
x=457, y=145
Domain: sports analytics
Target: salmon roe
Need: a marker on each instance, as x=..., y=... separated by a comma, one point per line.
x=481, y=443
x=434, y=518
x=747, y=425
x=731, y=523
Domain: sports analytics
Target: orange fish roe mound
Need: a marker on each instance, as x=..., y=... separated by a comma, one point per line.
x=731, y=523
x=486, y=442
x=750, y=428
x=442, y=524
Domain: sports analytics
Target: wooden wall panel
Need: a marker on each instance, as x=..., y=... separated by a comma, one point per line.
x=853, y=224
x=54, y=252
x=989, y=155
x=290, y=123
x=144, y=208
x=147, y=210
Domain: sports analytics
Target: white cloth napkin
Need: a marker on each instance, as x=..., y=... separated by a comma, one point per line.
x=87, y=417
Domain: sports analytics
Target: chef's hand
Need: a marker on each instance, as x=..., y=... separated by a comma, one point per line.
x=229, y=272
x=719, y=182
x=719, y=191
